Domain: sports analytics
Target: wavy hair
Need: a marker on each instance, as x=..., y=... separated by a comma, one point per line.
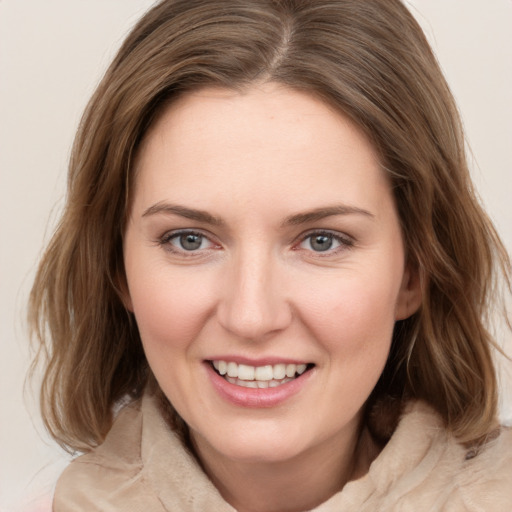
x=371, y=61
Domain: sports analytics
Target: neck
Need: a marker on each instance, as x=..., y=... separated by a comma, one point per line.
x=294, y=485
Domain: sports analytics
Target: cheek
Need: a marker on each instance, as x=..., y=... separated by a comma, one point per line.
x=354, y=315
x=170, y=308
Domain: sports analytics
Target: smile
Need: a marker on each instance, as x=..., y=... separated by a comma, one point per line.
x=258, y=377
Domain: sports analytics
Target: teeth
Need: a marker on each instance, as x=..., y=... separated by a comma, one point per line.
x=290, y=370
x=264, y=373
x=245, y=372
x=261, y=376
x=232, y=370
x=223, y=367
x=261, y=384
x=279, y=371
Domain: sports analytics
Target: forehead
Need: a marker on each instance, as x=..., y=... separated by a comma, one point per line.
x=267, y=138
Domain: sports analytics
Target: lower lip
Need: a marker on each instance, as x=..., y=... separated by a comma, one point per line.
x=256, y=397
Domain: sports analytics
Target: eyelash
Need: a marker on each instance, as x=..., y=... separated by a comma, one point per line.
x=165, y=242
x=344, y=242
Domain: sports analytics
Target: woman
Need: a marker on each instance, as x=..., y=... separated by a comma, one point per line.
x=272, y=261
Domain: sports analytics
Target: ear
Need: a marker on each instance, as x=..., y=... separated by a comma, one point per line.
x=410, y=294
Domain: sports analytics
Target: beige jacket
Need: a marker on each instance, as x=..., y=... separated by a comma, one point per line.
x=142, y=467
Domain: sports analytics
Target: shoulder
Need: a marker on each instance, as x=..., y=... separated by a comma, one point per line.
x=484, y=481
x=110, y=476
x=424, y=468
x=450, y=477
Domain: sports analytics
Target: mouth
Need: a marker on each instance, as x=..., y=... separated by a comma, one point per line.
x=259, y=377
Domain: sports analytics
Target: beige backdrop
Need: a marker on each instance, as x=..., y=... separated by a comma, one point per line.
x=52, y=54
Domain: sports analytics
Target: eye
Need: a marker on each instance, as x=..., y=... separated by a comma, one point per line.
x=325, y=242
x=186, y=242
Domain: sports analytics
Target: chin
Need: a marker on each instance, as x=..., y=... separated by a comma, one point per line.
x=255, y=442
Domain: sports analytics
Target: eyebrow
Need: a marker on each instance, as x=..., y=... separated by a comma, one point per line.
x=293, y=220
x=183, y=211
x=322, y=213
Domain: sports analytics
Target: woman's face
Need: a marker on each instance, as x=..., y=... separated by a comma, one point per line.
x=264, y=242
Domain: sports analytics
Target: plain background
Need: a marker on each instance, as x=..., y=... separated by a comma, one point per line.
x=52, y=54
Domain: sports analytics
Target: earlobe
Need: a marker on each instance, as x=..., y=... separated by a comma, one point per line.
x=410, y=295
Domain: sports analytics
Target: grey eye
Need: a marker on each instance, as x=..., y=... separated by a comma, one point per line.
x=321, y=243
x=190, y=241
x=324, y=242
x=186, y=242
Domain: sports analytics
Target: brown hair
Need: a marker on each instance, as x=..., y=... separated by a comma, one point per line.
x=370, y=60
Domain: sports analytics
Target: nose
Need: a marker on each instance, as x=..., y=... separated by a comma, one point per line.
x=254, y=304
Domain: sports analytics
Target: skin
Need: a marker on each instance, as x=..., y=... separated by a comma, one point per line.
x=257, y=287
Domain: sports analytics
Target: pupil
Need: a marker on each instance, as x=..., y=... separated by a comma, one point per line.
x=190, y=242
x=321, y=242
